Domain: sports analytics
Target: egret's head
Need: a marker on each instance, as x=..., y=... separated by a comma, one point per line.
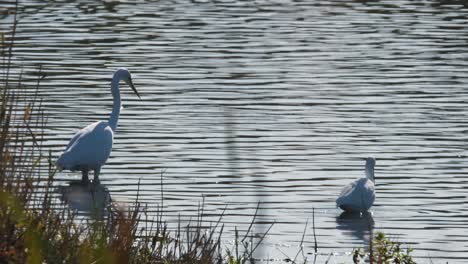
x=370, y=162
x=124, y=74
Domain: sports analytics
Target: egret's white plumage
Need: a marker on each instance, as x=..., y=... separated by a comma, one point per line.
x=359, y=195
x=90, y=148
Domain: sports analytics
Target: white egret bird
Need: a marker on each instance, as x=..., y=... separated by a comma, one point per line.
x=359, y=195
x=90, y=148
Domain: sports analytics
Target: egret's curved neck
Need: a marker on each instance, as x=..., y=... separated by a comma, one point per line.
x=114, y=117
x=370, y=172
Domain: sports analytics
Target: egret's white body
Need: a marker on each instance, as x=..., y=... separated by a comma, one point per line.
x=90, y=148
x=359, y=195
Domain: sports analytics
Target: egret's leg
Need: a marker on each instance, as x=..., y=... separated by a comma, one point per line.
x=84, y=177
x=96, y=175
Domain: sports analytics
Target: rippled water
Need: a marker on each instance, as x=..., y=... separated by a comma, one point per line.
x=271, y=101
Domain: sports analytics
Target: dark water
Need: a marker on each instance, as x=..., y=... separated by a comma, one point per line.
x=271, y=101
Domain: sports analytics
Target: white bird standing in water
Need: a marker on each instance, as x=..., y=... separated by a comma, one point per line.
x=90, y=148
x=359, y=195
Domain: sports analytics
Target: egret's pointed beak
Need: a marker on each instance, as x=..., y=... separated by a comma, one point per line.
x=133, y=87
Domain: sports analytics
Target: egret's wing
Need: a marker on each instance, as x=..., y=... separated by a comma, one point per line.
x=348, y=189
x=80, y=134
x=89, y=148
x=345, y=194
x=358, y=195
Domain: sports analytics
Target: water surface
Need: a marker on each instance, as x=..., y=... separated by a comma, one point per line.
x=271, y=101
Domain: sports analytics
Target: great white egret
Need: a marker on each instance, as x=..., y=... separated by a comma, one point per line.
x=90, y=148
x=359, y=195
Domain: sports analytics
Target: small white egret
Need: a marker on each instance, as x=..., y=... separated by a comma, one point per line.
x=90, y=148
x=359, y=195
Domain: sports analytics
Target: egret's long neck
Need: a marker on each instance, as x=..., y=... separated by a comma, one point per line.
x=370, y=172
x=114, y=117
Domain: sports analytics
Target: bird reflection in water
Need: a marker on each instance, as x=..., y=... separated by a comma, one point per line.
x=359, y=225
x=86, y=198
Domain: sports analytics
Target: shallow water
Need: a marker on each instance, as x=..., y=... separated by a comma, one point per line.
x=271, y=101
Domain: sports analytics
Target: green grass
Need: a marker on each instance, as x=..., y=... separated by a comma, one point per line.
x=384, y=251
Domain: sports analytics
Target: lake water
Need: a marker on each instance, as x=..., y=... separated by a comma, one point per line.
x=271, y=101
